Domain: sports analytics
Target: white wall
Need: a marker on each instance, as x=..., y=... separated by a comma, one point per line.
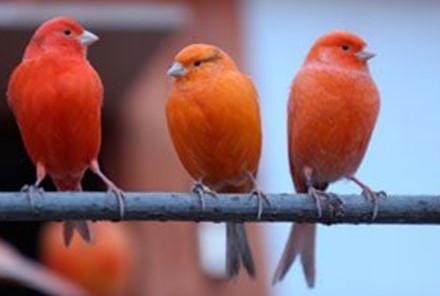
x=404, y=154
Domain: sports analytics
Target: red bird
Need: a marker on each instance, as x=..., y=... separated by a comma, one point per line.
x=333, y=107
x=104, y=270
x=214, y=120
x=56, y=97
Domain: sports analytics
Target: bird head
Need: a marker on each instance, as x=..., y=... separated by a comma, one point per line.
x=61, y=34
x=199, y=60
x=340, y=48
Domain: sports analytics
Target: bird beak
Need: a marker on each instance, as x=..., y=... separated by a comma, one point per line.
x=177, y=70
x=87, y=38
x=365, y=55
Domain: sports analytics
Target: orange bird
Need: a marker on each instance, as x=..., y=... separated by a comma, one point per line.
x=103, y=270
x=214, y=120
x=56, y=97
x=333, y=107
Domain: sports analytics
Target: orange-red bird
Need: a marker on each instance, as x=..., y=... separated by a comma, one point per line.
x=56, y=97
x=214, y=121
x=333, y=107
x=103, y=270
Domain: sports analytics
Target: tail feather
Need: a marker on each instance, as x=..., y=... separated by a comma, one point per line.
x=81, y=226
x=238, y=251
x=301, y=242
x=232, y=256
x=308, y=253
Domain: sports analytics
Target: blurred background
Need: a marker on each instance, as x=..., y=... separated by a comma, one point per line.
x=268, y=40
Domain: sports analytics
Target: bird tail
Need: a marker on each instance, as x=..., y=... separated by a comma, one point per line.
x=83, y=229
x=301, y=242
x=238, y=250
x=81, y=226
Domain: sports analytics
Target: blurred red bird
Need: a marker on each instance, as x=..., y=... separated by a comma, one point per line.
x=104, y=270
x=214, y=120
x=333, y=107
x=56, y=97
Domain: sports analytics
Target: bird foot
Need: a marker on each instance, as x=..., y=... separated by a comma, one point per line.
x=120, y=197
x=201, y=190
x=334, y=202
x=30, y=191
x=111, y=188
x=336, y=205
x=259, y=195
x=370, y=195
x=373, y=196
x=261, y=198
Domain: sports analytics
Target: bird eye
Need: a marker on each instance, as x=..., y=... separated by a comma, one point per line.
x=345, y=47
x=67, y=32
x=197, y=63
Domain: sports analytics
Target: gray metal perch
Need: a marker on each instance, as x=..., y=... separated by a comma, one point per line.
x=15, y=206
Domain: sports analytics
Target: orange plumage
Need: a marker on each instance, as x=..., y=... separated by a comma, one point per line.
x=333, y=107
x=214, y=121
x=56, y=97
x=103, y=270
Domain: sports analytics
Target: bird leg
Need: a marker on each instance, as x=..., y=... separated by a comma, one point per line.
x=369, y=194
x=259, y=194
x=201, y=190
x=317, y=195
x=314, y=193
x=35, y=188
x=111, y=188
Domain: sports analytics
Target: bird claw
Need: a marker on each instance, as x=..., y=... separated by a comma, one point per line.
x=111, y=188
x=201, y=190
x=120, y=196
x=259, y=194
x=333, y=200
x=336, y=205
x=373, y=197
x=370, y=195
x=30, y=191
x=261, y=198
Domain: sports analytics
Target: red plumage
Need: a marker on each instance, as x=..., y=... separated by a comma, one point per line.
x=56, y=97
